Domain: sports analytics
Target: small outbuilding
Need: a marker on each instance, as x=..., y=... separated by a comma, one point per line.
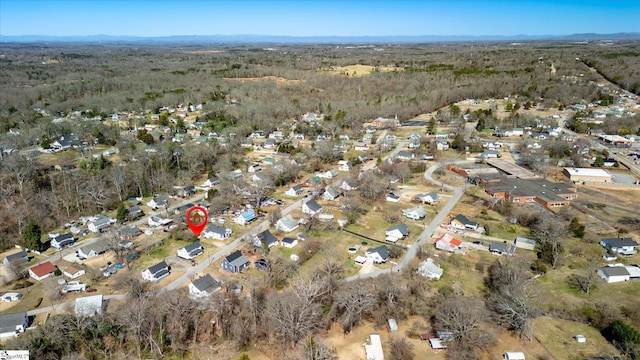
x=513, y=355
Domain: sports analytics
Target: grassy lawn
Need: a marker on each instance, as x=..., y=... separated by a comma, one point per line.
x=558, y=338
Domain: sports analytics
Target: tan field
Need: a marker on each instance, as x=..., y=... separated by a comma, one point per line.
x=359, y=70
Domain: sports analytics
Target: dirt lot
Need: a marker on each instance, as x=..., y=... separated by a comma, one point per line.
x=358, y=70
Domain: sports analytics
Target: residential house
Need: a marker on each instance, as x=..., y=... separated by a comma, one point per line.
x=346, y=166
x=391, y=197
x=21, y=257
x=72, y=272
x=374, y=351
x=91, y=250
x=156, y=272
x=396, y=232
x=42, y=271
x=330, y=174
x=244, y=217
x=190, y=251
x=431, y=198
x=269, y=144
x=331, y=193
x=378, y=255
x=311, y=207
x=516, y=132
x=89, y=306
x=462, y=223
x=210, y=182
x=158, y=202
x=134, y=212
x=505, y=248
x=416, y=213
x=442, y=145
x=286, y=224
x=448, y=243
x=490, y=154
x=254, y=168
x=361, y=146
x=295, y=190
x=363, y=158
x=128, y=233
x=265, y=238
x=414, y=143
x=289, y=242
x=61, y=241
x=65, y=142
x=622, y=246
x=13, y=324
x=204, y=286
x=235, y=262
x=348, y=185
x=405, y=155
x=430, y=269
x=217, y=232
x=99, y=225
x=382, y=123
x=158, y=221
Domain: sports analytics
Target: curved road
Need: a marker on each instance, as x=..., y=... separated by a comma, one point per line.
x=426, y=234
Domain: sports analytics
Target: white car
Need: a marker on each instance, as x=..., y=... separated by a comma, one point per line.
x=609, y=257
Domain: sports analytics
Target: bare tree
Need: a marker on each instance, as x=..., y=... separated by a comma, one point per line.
x=401, y=349
x=463, y=317
x=292, y=317
x=512, y=296
x=353, y=301
x=550, y=233
x=312, y=349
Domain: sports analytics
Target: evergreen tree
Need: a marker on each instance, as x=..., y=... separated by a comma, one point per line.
x=31, y=235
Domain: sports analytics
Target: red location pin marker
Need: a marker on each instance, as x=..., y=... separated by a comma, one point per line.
x=197, y=219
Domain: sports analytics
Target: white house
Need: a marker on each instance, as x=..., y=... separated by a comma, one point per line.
x=347, y=166
x=431, y=198
x=286, y=224
x=157, y=202
x=462, y=223
x=416, y=213
x=289, y=242
x=158, y=221
x=378, y=255
x=295, y=190
x=190, y=251
x=99, y=224
x=42, y=271
x=330, y=174
x=330, y=193
x=622, y=246
x=204, y=286
x=91, y=250
x=61, y=241
x=244, y=217
x=210, y=182
x=13, y=324
x=156, y=272
x=374, y=351
x=348, y=185
x=10, y=296
x=396, y=232
x=430, y=269
x=89, y=306
x=391, y=197
x=448, y=243
x=311, y=207
x=72, y=272
x=217, y=232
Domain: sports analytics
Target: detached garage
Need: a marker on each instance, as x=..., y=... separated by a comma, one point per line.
x=612, y=274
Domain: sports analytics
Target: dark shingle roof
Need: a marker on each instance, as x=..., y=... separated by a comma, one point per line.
x=157, y=267
x=206, y=282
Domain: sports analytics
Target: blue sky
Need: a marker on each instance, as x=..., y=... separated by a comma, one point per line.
x=317, y=18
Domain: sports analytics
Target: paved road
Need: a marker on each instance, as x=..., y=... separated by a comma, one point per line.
x=426, y=234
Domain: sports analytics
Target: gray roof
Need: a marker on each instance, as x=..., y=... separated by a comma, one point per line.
x=97, y=247
x=206, y=283
x=130, y=230
x=288, y=240
x=237, y=259
x=463, y=219
x=288, y=221
x=402, y=227
x=157, y=267
x=267, y=237
x=19, y=255
x=615, y=271
x=382, y=250
x=619, y=242
x=8, y=322
x=313, y=205
x=193, y=246
x=216, y=229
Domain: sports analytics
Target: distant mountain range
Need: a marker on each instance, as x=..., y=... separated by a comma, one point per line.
x=270, y=39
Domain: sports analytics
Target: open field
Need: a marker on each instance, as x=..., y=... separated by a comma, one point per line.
x=358, y=70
